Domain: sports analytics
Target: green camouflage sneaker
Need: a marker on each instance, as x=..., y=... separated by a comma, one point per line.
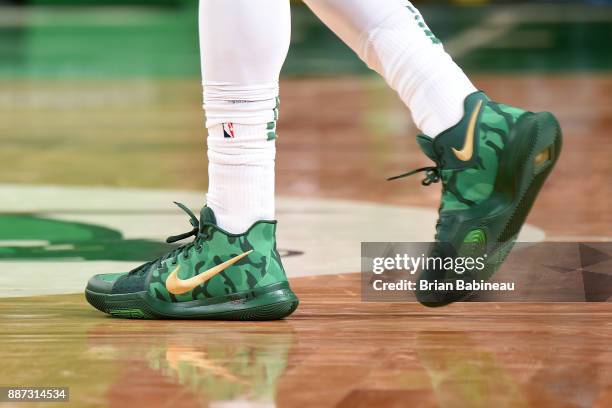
x=492, y=165
x=217, y=276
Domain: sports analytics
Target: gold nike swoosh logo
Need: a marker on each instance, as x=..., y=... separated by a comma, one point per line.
x=466, y=152
x=178, y=286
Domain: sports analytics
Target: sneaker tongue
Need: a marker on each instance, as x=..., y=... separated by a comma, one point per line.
x=207, y=216
x=426, y=145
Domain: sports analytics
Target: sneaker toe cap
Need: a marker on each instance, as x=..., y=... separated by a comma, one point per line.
x=103, y=283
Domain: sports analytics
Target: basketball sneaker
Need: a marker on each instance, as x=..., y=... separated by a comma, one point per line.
x=492, y=165
x=218, y=276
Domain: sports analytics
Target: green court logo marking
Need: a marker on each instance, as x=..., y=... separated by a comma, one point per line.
x=33, y=237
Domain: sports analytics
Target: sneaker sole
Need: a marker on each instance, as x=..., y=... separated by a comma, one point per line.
x=543, y=156
x=273, y=302
x=537, y=151
x=543, y=144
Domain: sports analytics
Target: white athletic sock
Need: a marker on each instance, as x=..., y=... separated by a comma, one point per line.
x=241, y=174
x=243, y=46
x=393, y=39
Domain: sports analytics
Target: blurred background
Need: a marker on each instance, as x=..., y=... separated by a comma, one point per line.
x=107, y=93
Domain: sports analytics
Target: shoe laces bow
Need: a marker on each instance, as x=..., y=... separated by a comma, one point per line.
x=432, y=175
x=195, y=232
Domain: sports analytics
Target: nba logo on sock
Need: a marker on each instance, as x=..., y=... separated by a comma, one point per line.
x=228, y=130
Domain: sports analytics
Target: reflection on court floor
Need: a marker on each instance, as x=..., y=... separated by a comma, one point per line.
x=97, y=140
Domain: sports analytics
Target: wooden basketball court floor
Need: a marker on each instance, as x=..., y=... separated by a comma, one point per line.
x=335, y=350
x=339, y=138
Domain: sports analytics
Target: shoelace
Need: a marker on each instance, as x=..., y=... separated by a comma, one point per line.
x=195, y=232
x=193, y=220
x=432, y=175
